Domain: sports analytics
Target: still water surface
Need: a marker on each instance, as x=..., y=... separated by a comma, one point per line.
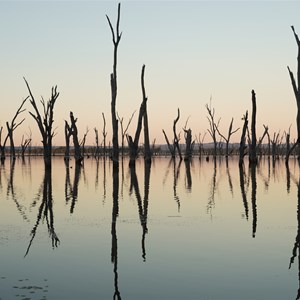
x=203, y=230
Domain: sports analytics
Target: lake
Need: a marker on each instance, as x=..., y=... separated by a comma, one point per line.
x=204, y=230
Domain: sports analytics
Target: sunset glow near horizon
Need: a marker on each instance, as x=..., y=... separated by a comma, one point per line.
x=193, y=51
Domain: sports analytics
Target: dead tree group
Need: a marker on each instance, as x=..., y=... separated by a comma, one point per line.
x=249, y=143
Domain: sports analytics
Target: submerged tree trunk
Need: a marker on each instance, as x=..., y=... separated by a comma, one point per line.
x=77, y=149
x=68, y=134
x=188, y=142
x=116, y=37
x=243, y=140
x=134, y=144
x=252, y=150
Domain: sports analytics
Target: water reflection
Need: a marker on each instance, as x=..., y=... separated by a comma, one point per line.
x=45, y=211
x=213, y=188
x=243, y=189
x=12, y=193
x=142, y=205
x=188, y=174
x=114, y=238
x=71, y=190
x=253, y=198
x=176, y=172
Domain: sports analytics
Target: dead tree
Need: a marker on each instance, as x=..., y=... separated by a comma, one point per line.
x=24, y=144
x=170, y=147
x=45, y=123
x=2, y=146
x=97, y=142
x=147, y=154
x=175, y=146
x=68, y=134
x=82, y=143
x=188, y=143
x=12, y=126
x=212, y=126
x=259, y=145
x=104, y=133
x=133, y=144
x=243, y=146
x=116, y=37
x=274, y=142
x=77, y=149
x=176, y=138
x=252, y=149
x=124, y=131
x=287, y=141
x=296, y=89
x=230, y=133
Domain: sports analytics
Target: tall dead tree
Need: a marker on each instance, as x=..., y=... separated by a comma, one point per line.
x=45, y=123
x=77, y=149
x=176, y=137
x=252, y=150
x=82, y=143
x=212, y=126
x=175, y=146
x=147, y=149
x=116, y=37
x=134, y=144
x=296, y=89
x=68, y=134
x=227, y=139
x=97, y=142
x=243, y=146
x=12, y=126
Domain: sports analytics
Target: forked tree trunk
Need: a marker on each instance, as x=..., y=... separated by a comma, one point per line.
x=116, y=37
x=45, y=124
x=134, y=144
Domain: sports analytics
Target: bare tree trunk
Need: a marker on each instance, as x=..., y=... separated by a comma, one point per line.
x=116, y=37
x=170, y=147
x=147, y=155
x=45, y=124
x=104, y=133
x=188, y=142
x=124, y=131
x=68, y=134
x=296, y=92
x=252, y=150
x=133, y=144
x=77, y=151
x=212, y=126
x=12, y=126
x=243, y=139
x=176, y=139
x=97, y=142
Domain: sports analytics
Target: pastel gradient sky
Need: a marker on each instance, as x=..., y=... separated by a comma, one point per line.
x=193, y=51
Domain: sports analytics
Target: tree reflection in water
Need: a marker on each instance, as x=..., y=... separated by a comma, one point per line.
x=296, y=248
x=176, y=172
x=142, y=205
x=114, y=238
x=45, y=211
x=71, y=191
x=11, y=190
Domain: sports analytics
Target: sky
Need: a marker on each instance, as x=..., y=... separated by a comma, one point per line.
x=194, y=52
